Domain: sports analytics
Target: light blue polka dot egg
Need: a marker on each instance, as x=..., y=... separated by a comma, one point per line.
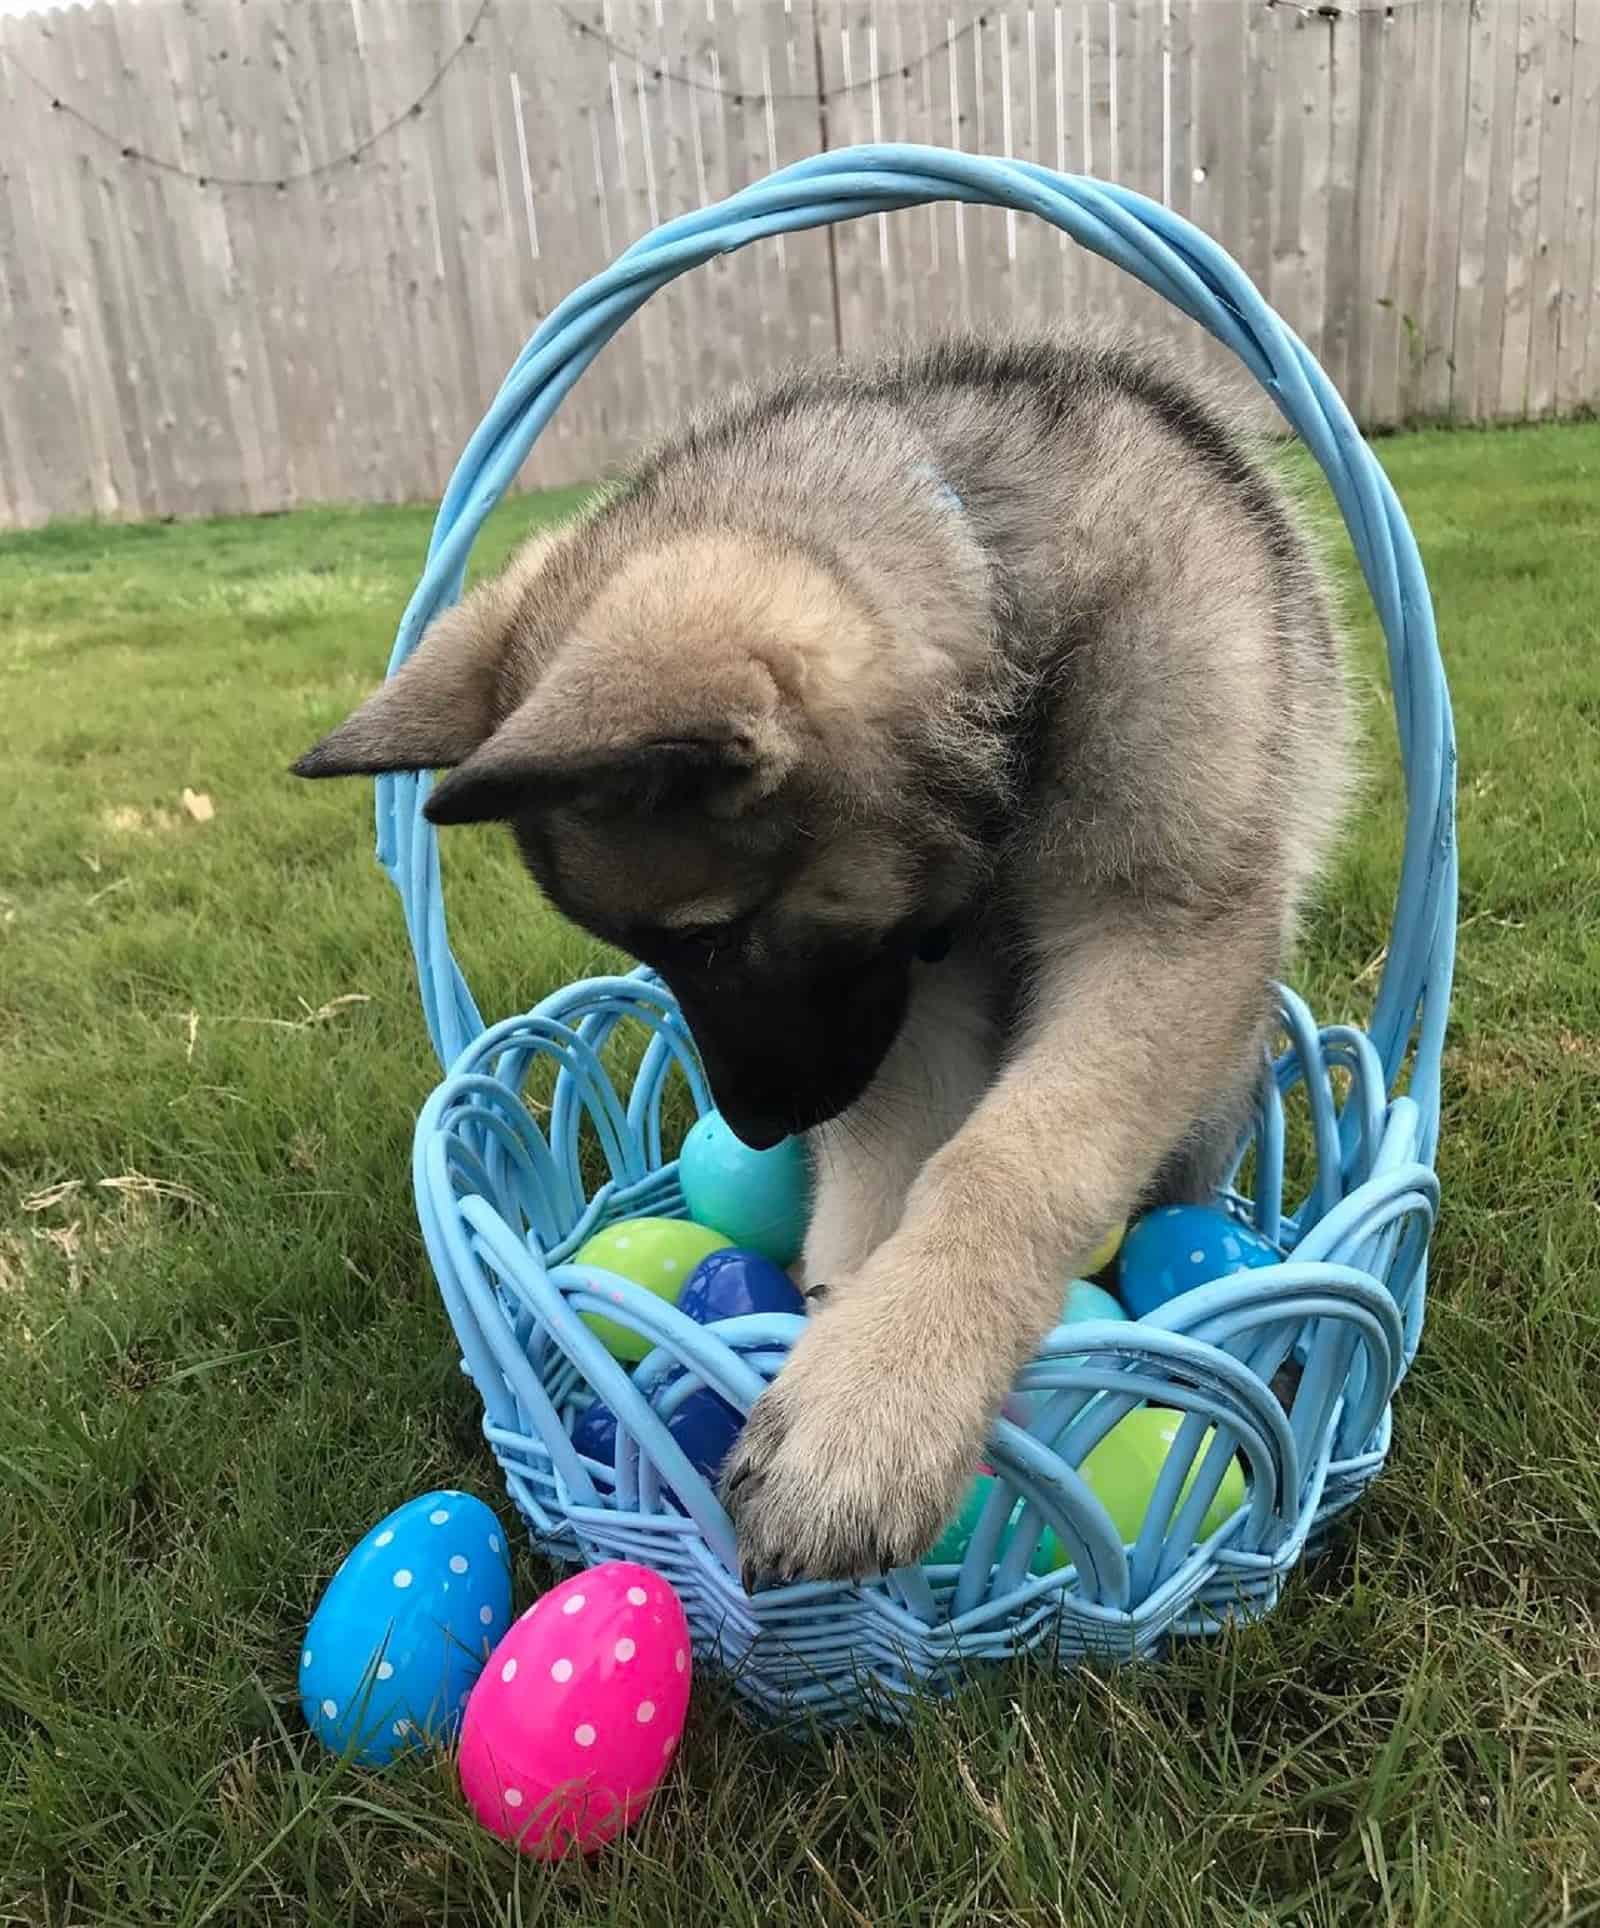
x=1178, y=1247
x=404, y=1628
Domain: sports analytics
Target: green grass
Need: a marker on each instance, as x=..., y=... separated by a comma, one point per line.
x=219, y=1371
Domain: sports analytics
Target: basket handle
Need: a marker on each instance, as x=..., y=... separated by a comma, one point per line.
x=1168, y=255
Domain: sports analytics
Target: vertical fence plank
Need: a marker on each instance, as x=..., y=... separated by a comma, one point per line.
x=1282, y=286
x=154, y=209
x=65, y=365
x=1421, y=113
x=1301, y=247
x=249, y=94
x=1549, y=253
x=79, y=187
x=1479, y=184
x=1578, y=378
x=369, y=194
x=1263, y=130
x=1399, y=114
x=1522, y=225
x=1452, y=96
x=1344, y=226
x=987, y=228
x=31, y=299
x=547, y=154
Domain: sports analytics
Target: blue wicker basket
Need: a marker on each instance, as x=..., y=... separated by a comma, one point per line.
x=505, y=1198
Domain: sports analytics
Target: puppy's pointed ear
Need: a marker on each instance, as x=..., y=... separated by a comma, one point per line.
x=508, y=776
x=435, y=711
x=629, y=727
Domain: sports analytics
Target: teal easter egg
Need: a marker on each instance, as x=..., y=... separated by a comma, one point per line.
x=760, y=1200
x=1174, y=1249
x=1086, y=1301
x=951, y=1547
x=1083, y=1302
x=658, y=1253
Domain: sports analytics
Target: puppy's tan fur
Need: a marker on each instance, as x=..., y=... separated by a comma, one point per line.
x=1005, y=644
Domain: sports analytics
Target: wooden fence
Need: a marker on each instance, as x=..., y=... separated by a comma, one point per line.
x=262, y=252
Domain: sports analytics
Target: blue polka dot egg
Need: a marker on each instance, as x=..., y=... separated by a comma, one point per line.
x=403, y=1630
x=1178, y=1247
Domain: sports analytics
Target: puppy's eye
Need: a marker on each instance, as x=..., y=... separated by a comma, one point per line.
x=697, y=935
x=697, y=941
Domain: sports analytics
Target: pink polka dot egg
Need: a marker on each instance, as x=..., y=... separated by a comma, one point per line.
x=578, y=1713
x=404, y=1627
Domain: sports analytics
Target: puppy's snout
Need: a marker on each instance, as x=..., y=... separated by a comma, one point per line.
x=758, y=1129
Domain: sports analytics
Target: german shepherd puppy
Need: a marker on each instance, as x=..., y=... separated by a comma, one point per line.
x=956, y=736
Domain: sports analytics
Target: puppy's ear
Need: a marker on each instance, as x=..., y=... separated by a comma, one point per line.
x=626, y=728
x=506, y=777
x=439, y=706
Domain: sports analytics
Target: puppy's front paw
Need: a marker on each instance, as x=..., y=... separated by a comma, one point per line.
x=848, y=1466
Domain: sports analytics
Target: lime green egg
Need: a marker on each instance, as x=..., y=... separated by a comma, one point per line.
x=657, y=1253
x=1123, y=1469
x=1105, y=1251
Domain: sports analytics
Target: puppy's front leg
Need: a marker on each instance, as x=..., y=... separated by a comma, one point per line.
x=861, y=1448
x=867, y=1160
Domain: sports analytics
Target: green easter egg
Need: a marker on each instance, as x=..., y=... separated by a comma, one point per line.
x=1123, y=1469
x=657, y=1253
x=1106, y=1250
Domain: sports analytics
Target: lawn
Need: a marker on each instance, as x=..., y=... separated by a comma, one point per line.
x=223, y=1357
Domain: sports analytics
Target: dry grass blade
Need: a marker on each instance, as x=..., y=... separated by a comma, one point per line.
x=139, y=1185
x=53, y=1195
x=333, y=1007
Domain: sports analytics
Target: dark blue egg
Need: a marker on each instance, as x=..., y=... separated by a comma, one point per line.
x=705, y=1427
x=595, y=1434
x=1174, y=1249
x=733, y=1282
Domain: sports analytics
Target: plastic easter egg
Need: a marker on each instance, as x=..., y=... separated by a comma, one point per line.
x=594, y=1433
x=1082, y=1301
x=1105, y=1251
x=1086, y=1301
x=951, y=1547
x=734, y=1282
x=657, y=1253
x=577, y=1715
x=1123, y=1469
x=706, y=1426
x=403, y=1629
x=760, y=1199
x=1181, y=1246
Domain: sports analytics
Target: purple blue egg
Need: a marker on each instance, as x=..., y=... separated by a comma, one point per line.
x=705, y=1426
x=595, y=1433
x=734, y=1282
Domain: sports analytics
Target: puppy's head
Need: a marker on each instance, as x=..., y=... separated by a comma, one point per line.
x=700, y=750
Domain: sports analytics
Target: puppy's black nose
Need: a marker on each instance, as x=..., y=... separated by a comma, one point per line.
x=758, y=1129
